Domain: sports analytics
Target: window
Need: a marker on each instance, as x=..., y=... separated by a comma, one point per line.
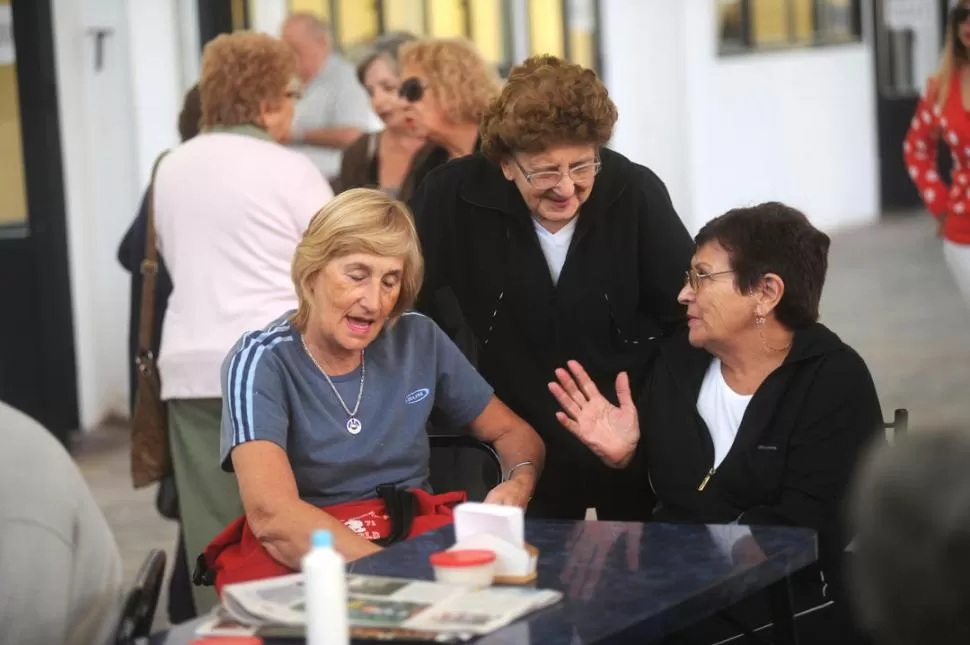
x=751, y=25
x=566, y=28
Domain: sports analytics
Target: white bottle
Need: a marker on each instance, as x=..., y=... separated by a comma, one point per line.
x=325, y=585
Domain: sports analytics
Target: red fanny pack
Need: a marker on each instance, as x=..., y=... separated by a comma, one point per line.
x=236, y=555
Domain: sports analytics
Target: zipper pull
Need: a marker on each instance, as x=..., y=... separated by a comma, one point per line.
x=706, y=479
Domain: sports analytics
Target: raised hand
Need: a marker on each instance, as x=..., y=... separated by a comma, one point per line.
x=611, y=432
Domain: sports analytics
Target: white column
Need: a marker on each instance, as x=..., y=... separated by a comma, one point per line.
x=189, y=47
x=156, y=78
x=267, y=16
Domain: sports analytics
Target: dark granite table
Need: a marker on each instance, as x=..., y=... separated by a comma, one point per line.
x=624, y=582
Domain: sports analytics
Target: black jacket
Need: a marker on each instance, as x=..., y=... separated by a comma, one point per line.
x=131, y=252
x=797, y=447
x=488, y=286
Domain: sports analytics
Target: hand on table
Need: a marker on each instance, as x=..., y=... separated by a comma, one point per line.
x=513, y=492
x=611, y=432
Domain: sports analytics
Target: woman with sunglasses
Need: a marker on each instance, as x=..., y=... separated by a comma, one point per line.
x=447, y=87
x=548, y=247
x=383, y=159
x=944, y=112
x=758, y=415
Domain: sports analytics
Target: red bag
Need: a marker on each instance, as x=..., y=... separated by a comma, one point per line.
x=236, y=555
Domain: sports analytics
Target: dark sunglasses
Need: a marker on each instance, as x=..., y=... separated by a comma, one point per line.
x=959, y=14
x=412, y=90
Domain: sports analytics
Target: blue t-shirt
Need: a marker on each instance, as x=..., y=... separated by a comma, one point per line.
x=273, y=391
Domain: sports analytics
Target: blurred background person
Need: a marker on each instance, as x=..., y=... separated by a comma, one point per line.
x=547, y=247
x=59, y=562
x=334, y=110
x=230, y=205
x=447, y=86
x=942, y=114
x=131, y=253
x=911, y=510
x=383, y=159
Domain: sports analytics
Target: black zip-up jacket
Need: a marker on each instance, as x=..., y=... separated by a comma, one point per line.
x=488, y=286
x=796, y=450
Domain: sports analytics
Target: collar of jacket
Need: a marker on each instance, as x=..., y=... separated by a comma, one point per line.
x=688, y=364
x=486, y=187
x=246, y=129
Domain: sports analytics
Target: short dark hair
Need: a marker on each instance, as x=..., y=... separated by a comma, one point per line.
x=190, y=118
x=774, y=238
x=911, y=510
x=386, y=46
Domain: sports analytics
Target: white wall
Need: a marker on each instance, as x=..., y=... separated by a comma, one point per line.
x=649, y=88
x=113, y=123
x=796, y=126
x=268, y=15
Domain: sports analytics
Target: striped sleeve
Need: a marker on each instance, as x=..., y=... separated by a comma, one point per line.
x=254, y=403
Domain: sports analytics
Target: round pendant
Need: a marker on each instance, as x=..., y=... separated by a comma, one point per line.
x=353, y=425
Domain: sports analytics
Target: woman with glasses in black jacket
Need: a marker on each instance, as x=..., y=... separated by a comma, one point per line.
x=547, y=247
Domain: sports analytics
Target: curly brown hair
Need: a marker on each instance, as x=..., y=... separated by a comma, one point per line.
x=547, y=101
x=462, y=81
x=240, y=71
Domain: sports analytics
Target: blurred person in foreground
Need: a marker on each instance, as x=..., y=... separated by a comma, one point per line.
x=328, y=404
x=942, y=113
x=333, y=111
x=911, y=511
x=383, y=159
x=447, y=87
x=757, y=414
x=60, y=569
x=230, y=207
x=546, y=247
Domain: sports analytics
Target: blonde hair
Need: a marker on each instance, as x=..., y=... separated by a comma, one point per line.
x=360, y=220
x=950, y=60
x=462, y=81
x=239, y=72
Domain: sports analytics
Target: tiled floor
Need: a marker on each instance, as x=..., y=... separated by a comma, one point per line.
x=888, y=294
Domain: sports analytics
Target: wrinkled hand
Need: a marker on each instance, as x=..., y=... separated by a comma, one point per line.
x=588, y=548
x=611, y=432
x=510, y=493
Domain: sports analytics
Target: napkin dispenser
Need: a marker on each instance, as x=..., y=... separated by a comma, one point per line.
x=499, y=529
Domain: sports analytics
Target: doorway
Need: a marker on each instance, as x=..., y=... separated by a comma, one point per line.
x=37, y=363
x=907, y=37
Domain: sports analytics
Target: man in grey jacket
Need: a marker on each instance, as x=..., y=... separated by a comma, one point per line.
x=60, y=569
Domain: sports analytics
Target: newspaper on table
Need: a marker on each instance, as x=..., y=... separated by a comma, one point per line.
x=380, y=607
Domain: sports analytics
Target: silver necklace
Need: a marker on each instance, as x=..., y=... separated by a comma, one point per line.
x=354, y=425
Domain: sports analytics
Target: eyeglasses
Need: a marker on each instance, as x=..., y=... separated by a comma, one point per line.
x=959, y=14
x=545, y=179
x=694, y=277
x=296, y=95
x=412, y=90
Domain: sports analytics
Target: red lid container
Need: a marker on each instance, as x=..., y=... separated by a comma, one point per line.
x=462, y=558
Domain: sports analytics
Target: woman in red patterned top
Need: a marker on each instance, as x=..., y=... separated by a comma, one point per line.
x=944, y=112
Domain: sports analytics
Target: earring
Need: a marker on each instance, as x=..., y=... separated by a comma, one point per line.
x=759, y=321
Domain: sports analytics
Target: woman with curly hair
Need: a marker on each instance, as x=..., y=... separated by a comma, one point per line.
x=548, y=247
x=231, y=205
x=447, y=87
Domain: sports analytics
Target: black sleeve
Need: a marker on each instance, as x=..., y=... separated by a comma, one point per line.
x=841, y=416
x=430, y=205
x=131, y=251
x=665, y=253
